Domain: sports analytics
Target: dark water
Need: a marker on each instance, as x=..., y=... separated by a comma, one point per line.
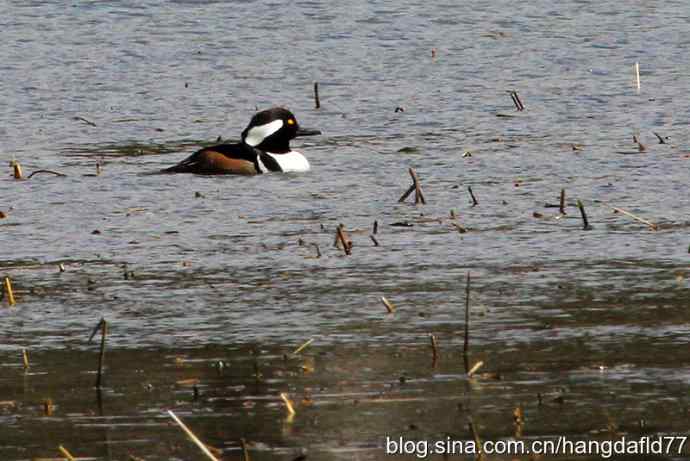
x=587, y=330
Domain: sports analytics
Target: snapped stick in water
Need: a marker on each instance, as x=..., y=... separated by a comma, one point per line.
x=8, y=291
x=191, y=435
x=389, y=305
x=317, y=101
x=585, y=221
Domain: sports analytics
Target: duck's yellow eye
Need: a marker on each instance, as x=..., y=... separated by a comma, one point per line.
x=291, y=121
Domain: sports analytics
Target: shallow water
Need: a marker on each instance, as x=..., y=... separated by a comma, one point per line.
x=191, y=270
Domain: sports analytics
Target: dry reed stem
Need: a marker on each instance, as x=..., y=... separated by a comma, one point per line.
x=389, y=306
x=477, y=440
x=474, y=199
x=475, y=368
x=518, y=420
x=434, y=347
x=317, y=101
x=288, y=404
x=406, y=194
x=585, y=221
x=8, y=291
x=82, y=119
x=516, y=100
x=460, y=228
x=659, y=137
x=640, y=147
x=373, y=239
x=466, y=343
x=191, y=435
x=518, y=416
x=25, y=358
x=303, y=346
x=342, y=237
x=245, y=451
x=17, y=170
x=101, y=355
x=636, y=67
x=418, y=195
x=48, y=407
x=652, y=225
x=66, y=453
x=56, y=173
x=561, y=207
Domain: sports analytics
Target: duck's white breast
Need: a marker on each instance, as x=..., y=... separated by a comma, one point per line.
x=292, y=161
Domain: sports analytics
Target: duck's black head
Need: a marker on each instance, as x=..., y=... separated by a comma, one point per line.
x=271, y=130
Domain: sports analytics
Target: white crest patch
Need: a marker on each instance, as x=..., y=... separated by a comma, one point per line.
x=257, y=134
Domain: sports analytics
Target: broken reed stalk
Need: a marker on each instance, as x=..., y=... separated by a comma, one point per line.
x=82, y=119
x=474, y=199
x=561, y=207
x=317, y=101
x=389, y=305
x=376, y=227
x=637, y=76
x=245, y=451
x=303, y=346
x=416, y=188
x=288, y=404
x=16, y=169
x=518, y=421
x=434, y=348
x=8, y=291
x=101, y=356
x=640, y=147
x=460, y=228
x=418, y=194
x=406, y=193
x=652, y=225
x=341, y=237
x=585, y=222
x=659, y=137
x=98, y=168
x=477, y=440
x=475, y=368
x=336, y=241
x=66, y=453
x=466, y=344
x=373, y=239
x=25, y=358
x=191, y=435
x=47, y=407
x=516, y=100
x=56, y=173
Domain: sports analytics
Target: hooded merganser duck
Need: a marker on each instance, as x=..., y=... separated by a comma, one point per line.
x=265, y=147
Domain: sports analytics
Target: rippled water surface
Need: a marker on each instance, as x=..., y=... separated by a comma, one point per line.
x=209, y=283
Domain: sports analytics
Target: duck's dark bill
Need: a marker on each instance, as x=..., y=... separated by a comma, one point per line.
x=307, y=132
